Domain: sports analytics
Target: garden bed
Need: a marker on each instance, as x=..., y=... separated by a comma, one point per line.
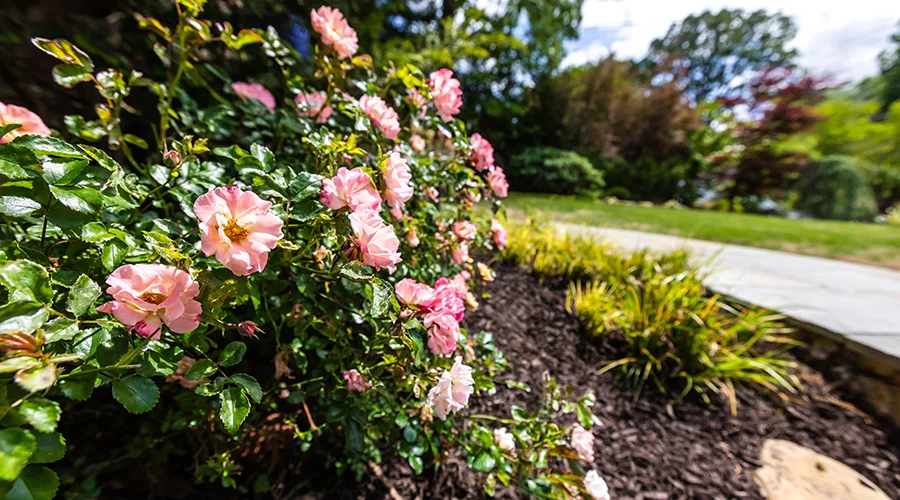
x=645, y=449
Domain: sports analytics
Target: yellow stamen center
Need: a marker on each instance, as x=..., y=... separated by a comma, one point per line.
x=235, y=232
x=153, y=298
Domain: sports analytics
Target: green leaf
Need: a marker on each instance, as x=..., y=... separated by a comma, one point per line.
x=416, y=463
x=95, y=232
x=235, y=408
x=18, y=206
x=264, y=155
x=82, y=200
x=64, y=217
x=519, y=414
x=113, y=253
x=250, y=385
x=26, y=280
x=64, y=51
x=135, y=140
x=12, y=365
x=62, y=171
x=36, y=483
x=381, y=297
x=88, y=130
x=484, y=462
x=304, y=185
x=50, y=448
x=78, y=388
x=82, y=296
x=38, y=378
x=160, y=359
x=69, y=75
x=41, y=413
x=9, y=127
x=22, y=316
x=354, y=271
x=18, y=163
x=584, y=416
x=202, y=368
x=16, y=447
x=46, y=145
x=60, y=329
x=137, y=394
x=233, y=354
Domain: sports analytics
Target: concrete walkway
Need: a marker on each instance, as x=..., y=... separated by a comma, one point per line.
x=858, y=302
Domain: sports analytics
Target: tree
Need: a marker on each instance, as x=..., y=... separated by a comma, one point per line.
x=890, y=74
x=710, y=53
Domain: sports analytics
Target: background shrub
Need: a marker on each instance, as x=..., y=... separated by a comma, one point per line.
x=836, y=188
x=552, y=170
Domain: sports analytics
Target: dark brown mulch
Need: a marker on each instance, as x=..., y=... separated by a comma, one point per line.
x=650, y=449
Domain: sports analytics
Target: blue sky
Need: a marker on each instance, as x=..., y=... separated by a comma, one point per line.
x=840, y=38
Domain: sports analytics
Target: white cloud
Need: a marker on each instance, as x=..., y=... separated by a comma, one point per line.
x=833, y=36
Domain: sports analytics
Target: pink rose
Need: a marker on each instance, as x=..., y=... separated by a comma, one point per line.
x=501, y=237
x=310, y=105
x=412, y=237
x=376, y=240
x=396, y=178
x=350, y=188
x=497, y=180
x=255, y=92
x=452, y=392
x=417, y=143
x=335, y=31
x=383, y=116
x=30, y=122
x=482, y=152
x=460, y=253
x=445, y=93
x=443, y=333
x=504, y=439
x=413, y=293
x=447, y=300
x=464, y=230
x=237, y=227
x=583, y=443
x=416, y=100
x=356, y=382
x=147, y=295
x=459, y=285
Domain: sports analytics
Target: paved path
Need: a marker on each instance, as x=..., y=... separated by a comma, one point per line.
x=858, y=302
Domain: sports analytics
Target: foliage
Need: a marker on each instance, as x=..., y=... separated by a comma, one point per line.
x=835, y=188
x=226, y=327
x=647, y=179
x=889, y=60
x=551, y=170
x=885, y=182
x=710, y=52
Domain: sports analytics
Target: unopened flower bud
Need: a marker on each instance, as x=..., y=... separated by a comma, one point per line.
x=321, y=253
x=171, y=158
x=248, y=329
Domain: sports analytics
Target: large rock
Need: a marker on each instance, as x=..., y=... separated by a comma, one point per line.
x=791, y=472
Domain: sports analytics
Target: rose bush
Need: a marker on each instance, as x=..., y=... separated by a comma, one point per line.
x=267, y=260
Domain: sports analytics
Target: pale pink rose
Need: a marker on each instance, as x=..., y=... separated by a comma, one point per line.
x=596, y=486
x=460, y=253
x=452, y=392
x=30, y=122
x=504, y=439
x=350, y=188
x=583, y=443
x=458, y=284
x=415, y=98
x=310, y=105
x=383, y=116
x=413, y=293
x=237, y=227
x=482, y=152
x=147, y=295
x=501, y=237
x=443, y=333
x=497, y=180
x=412, y=237
x=473, y=196
x=356, y=382
x=376, y=240
x=417, y=143
x=432, y=193
x=464, y=230
x=255, y=92
x=396, y=177
x=447, y=300
x=335, y=31
x=396, y=212
x=445, y=93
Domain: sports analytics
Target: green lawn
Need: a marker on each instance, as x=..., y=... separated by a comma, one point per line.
x=867, y=243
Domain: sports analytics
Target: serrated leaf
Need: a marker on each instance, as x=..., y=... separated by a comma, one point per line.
x=38, y=378
x=584, y=416
x=36, y=483
x=62, y=171
x=136, y=394
x=354, y=271
x=69, y=75
x=82, y=200
x=50, y=448
x=16, y=447
x=232, y=354
x=484, y=462
x=381, y=297
x=12, y=365
x=78, y=388
x=95, y=232
x=9, y=127
x=60, y=329
x=82, y=296
x=304, y=186
x=22, y=316
x=250, y=385
x=46, y=145
x=17, y=163
x=113, y=253
x=26, y=280
x=234, y=408
x=64, y=51
x=41, y=413
x=18, y=206
x=202, y=368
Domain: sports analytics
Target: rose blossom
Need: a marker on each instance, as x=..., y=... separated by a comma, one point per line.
x=417, y=100
x=383, y=116
x=350, y=188
x=445, y=93
x=254, y=91
x=417, y=143
x=443, y=333
x=147, y=295
x=310, y=105
x=501, y=237
x=452, y=392
x=30, y=122
x=458, y=283
x=460, y=253
x=464, y=230
x=447, y=300
x=504, y=439
x=413, y=293
x=412, y=237
x=596, y=486
x=583, y=442
x=497, y=180
x=237, y=227
x=356, y=382
x=335, y=31
x=482, y=152
x=486, y=273
x=396, y=177
x=376, y=240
